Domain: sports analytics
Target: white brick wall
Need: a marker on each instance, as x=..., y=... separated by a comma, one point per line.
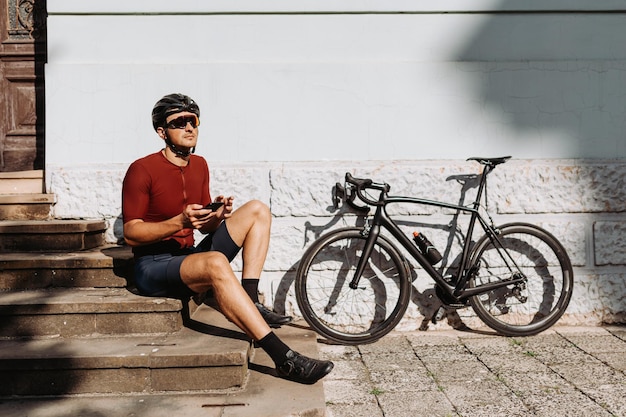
x=581, y=203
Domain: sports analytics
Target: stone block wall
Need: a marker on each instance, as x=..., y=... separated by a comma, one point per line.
x=582, y=202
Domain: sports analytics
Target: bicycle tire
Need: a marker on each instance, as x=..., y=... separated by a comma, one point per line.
x=339, y=313
x=548, y=289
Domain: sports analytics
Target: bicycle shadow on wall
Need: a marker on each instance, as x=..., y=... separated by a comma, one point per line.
x=378, y=289
x=520, y=61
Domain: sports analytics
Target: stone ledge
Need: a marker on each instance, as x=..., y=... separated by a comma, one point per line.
x=81, y=300
x=80, y=312
x=107, y=266
x=184, y=361
x=51, y=226
x=51, y=235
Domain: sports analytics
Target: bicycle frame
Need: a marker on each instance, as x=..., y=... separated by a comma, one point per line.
x=458, y=292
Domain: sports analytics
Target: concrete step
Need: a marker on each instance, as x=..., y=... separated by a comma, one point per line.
x=106, y=266
x=36, y=206
x=185, y=361
x=51, y=235
x=169, y=391
x=21, y=182
x=72, y=312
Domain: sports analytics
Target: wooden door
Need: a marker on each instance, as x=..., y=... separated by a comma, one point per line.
x=22, y=58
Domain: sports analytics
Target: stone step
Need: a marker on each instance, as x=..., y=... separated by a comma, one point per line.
x=185, y=361
x=74, y=312
x=35, y=206
x=51, y=235
x=191, y=373
x=21, y=182
x=106, y=266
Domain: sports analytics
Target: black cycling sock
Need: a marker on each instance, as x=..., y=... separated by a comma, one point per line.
x=251, y=287
x=274, y=347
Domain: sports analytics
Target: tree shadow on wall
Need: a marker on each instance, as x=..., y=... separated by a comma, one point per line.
x=556, y=78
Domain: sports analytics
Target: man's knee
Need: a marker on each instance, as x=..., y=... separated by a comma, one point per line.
x=259, y=209
x=208, y=265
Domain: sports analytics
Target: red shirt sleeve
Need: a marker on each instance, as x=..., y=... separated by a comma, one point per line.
x=135, y=193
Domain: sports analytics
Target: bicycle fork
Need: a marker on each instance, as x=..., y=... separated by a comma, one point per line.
x=372, y=233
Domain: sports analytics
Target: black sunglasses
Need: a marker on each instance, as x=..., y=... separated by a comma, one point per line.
x=181, y=122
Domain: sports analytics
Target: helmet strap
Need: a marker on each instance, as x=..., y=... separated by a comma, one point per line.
x=178, y=151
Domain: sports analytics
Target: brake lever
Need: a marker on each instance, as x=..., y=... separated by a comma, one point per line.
x=338, y=195
x=346, y=194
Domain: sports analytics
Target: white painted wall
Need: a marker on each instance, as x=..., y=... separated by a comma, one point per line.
x=385, y=86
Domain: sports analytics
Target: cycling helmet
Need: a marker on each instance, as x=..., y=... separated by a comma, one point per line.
x=170, y=104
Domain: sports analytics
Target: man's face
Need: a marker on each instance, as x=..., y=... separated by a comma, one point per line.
x=181, y=128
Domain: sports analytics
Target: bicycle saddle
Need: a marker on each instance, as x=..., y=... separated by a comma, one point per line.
x=490, y=161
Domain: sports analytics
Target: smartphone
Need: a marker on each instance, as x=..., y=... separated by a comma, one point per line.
x=214, y=206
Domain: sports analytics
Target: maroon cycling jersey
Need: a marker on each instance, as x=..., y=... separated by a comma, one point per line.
x=154, y=190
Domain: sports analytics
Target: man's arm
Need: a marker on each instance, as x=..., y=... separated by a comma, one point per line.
x=137, y=232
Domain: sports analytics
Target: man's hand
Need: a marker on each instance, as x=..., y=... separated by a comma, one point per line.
x=198, y=217
x=226, y=210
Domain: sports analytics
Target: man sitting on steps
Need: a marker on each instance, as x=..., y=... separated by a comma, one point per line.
x=164, y=199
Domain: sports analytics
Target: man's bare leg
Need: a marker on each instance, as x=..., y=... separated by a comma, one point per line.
x=206, y=270
x=211, y=270
x=249, y=227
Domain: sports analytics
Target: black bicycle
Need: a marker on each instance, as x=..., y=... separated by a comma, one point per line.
x=353, y=285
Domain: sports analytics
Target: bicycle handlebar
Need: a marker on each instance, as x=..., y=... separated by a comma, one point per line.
x=356, y=187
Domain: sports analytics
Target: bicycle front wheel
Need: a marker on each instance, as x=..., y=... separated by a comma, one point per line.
x=340, y=313
x=534, y=305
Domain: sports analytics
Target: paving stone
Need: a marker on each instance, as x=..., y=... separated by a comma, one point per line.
x=442, y=353
x=466, y=396
x=506, y=363
x=347, y=369
x=597, y=344
x=506, y=408
x=470, y=371
x=584, y=375
x=410, y=404
x=616, y=360
x=389, y=361
x=353, y=410
x=443, y=338
x=387, y=345
x=344, y=391
x=490, y=345
x=403, y=380
x=548, y=394
x=611, y=397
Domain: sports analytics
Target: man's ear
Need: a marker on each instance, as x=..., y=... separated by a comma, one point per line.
x=161, y=132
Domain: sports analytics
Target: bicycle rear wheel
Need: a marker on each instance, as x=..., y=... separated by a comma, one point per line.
x=340, y=313
x=534, y=305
